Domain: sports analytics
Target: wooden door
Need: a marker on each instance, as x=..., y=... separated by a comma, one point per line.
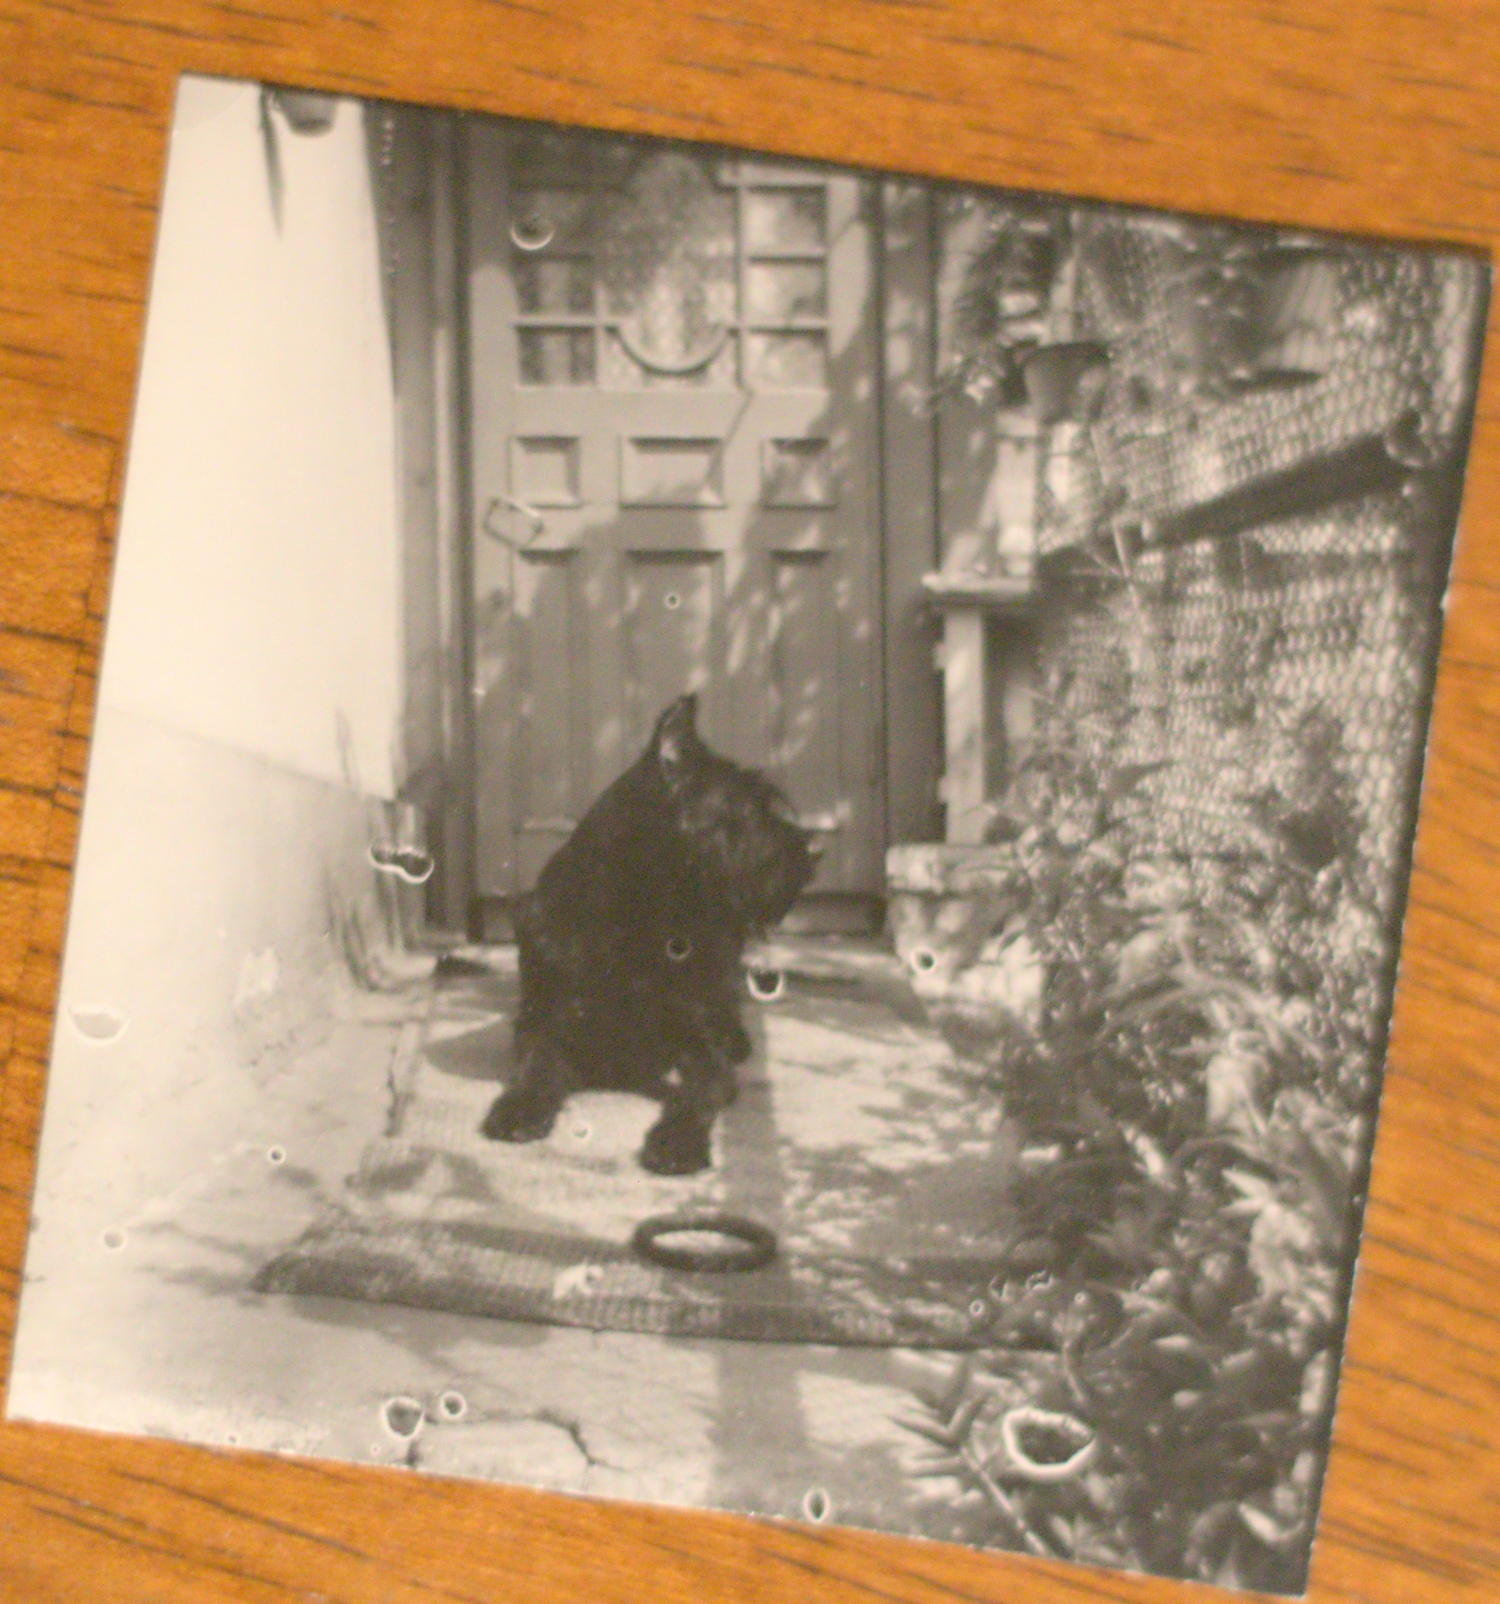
x=674, y=448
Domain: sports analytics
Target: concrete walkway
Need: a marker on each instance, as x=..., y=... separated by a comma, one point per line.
x=152, y=1329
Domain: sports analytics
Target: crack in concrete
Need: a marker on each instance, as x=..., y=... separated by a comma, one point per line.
x=551, y=1417
x=402, y=1068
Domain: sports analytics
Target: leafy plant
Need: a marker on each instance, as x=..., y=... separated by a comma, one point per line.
x=1162, y=1332
x=1002, y=295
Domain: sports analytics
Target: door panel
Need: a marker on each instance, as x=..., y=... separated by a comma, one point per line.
x=674, y=469
x=551, y=683
x=672, y=611
x=802, y=666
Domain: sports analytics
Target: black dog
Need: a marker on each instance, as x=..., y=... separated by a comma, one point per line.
x=631, y=941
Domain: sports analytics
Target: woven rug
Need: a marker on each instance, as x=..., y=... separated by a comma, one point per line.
x=878, y=1163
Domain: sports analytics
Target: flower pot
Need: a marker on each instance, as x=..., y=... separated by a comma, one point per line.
x=1064, y=381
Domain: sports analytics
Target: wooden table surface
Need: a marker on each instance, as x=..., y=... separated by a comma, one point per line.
x=1351, y=114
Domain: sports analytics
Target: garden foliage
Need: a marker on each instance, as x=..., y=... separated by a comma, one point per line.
x=1157, y=1384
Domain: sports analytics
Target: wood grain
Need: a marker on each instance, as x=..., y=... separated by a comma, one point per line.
x=1351, y=114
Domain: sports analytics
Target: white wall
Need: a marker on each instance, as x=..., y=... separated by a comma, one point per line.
x=255, y=593
x=199, y=959
x=255, y=602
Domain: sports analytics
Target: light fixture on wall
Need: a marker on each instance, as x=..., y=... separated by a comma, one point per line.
x=305, y=111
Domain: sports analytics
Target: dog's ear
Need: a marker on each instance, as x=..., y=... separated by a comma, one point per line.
x=676, y=731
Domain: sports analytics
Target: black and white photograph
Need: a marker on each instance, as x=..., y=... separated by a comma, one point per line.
x=746, y=833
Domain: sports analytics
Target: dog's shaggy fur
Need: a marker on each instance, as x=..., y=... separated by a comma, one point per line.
x=631, y=943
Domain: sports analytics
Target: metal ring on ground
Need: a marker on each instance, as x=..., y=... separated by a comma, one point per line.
x=758, y=1251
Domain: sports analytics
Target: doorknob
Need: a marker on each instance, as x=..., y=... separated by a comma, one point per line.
x=532, y=516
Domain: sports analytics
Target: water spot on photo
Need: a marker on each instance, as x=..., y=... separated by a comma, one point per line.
x=260, y=975
x=98, y=1024
x=766, y=985
x=817, y=1506
x=402, y=1417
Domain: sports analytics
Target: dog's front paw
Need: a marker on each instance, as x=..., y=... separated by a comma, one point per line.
x=676, y=1145
x=515, y=1117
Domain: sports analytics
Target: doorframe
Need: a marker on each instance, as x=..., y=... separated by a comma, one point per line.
x=420, y=194
x=909, y=511
x=423, y=226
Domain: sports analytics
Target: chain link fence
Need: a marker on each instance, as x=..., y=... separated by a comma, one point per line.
x=1249, y=539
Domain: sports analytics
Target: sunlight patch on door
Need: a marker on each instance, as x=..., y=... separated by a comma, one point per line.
x=544, y=470
x=671, y=472
x=803, y=736
x=672, y=623
x=796, y=473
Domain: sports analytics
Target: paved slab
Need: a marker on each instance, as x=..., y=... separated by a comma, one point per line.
x=155, y=1331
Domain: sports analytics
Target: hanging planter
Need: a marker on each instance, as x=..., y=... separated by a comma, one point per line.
x=1000, y=308
x=1065, y=382
x=1254, y=317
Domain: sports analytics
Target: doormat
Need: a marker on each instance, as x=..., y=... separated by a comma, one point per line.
x=859, y=1149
